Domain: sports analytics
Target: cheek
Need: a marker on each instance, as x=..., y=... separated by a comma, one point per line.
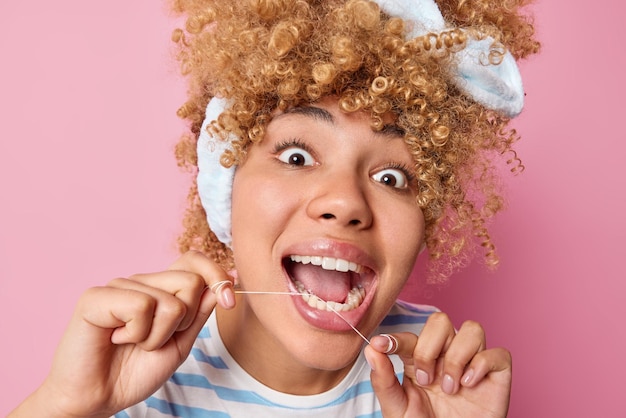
x=404, y=234
x=258, y=210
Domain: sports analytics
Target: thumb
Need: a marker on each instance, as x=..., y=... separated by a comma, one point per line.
x=390, y=393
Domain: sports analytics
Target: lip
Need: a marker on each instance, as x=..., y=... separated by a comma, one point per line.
x=328, y=320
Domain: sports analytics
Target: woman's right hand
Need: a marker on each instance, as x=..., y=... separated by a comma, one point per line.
x=127, y=338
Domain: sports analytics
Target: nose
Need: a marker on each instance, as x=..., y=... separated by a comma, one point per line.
x=341, y=198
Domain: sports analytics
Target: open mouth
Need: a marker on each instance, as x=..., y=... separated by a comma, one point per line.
x=330, y=285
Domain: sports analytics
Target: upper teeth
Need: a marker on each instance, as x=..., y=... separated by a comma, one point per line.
x=328, y=263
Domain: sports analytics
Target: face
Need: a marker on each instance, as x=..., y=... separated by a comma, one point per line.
x=323, y=205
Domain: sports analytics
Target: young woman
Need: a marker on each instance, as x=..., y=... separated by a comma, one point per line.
x=333, y=140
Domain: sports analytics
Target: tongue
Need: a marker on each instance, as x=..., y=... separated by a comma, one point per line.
x=329, y=285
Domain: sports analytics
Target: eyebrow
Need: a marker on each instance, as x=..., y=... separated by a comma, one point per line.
x=389, y=130
x=392, y=130
x=313, y=112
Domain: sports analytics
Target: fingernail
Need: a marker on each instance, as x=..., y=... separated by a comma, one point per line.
x=467, y=377
x=227, y=297
x=448, y=384
x=422, y=377
x=392, y=344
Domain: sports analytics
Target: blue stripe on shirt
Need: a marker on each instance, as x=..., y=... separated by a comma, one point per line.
x=214, y=361
x=199, y=381
x=250, y=397
x=376, y=414
x=204, y=333
x=405, y=319
x=408, y=314
x=178, y=410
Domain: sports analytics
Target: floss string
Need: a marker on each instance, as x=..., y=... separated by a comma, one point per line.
x=255, y=292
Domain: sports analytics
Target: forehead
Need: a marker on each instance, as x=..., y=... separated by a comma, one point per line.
x=327, y=111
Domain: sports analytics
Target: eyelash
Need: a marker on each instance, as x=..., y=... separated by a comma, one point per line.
x=295, y=142
x=402, y=167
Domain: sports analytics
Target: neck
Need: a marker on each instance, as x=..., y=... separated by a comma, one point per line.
x=266, y=359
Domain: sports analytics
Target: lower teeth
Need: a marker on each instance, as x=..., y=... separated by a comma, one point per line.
x=353, y=301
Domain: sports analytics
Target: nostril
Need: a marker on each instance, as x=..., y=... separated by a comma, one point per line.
x=331, y=216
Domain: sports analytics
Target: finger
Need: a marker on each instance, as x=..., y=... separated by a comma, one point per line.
x=185, y=286
x=469, y=340
x=393, y=400
x=494, y=360
x=186, y=338
x=125, y=318
x=395, y=397
x=211, y=272
x=433, y=342
x=403, y=345
x=160, y=318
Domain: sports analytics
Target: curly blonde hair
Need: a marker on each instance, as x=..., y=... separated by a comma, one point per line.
x=274, y=54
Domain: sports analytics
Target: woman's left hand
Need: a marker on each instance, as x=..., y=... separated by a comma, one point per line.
x=446, y=374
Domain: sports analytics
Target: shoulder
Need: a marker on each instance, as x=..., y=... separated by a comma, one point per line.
x=406, y=316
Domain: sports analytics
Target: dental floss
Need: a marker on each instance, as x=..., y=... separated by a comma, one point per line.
x=392, y=346
x=216, y=287
x=255, y=292
x=351, y=326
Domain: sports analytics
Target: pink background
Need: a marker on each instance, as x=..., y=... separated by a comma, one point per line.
x=90, y=192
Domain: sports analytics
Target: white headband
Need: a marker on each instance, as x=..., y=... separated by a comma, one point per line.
x=497, y=87
x=215, y=182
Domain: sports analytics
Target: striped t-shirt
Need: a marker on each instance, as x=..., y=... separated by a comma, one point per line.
x=210, y=383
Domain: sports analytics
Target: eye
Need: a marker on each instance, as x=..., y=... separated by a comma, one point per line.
x=393, y=177
x=296, y=156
